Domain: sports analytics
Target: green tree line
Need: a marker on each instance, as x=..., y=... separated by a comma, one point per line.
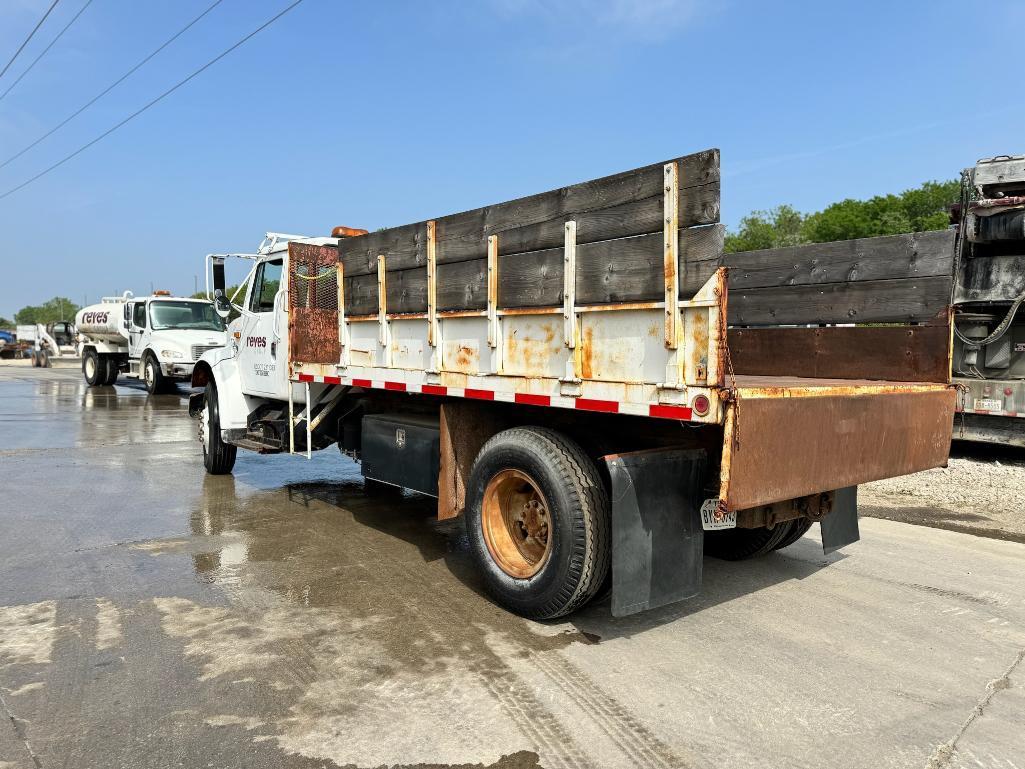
x=58, y=308
x=915, y=210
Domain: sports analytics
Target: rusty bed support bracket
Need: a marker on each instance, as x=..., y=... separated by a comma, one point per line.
x=382, y=307
x=343, y=327
x=494, y=325
x=570, y=319
x=657, y=538
x=671, y=253
x=433, y=330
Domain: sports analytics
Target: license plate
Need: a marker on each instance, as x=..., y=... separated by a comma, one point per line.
x=710, y=521
x=983, y=404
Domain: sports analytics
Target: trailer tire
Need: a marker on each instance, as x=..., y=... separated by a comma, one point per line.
x=218, y=456
x=538, y=522
x=152, y=375
x=111, y=370
x=742, y=544
x=94, y=368
x=798, y=528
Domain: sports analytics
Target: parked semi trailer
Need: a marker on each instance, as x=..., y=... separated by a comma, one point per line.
x=155, y=338
x=582, y=378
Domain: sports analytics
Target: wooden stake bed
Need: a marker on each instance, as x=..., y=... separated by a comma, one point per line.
x=611, y=296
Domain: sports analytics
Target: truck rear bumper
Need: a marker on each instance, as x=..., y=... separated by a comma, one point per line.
x=793, y=438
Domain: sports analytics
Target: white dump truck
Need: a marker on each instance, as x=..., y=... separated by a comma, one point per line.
x=586, y=379
x=156, y=338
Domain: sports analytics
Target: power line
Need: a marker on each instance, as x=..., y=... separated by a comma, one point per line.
x=36, y=61
x=109, y=88
x=30, y=34
x=161, y=97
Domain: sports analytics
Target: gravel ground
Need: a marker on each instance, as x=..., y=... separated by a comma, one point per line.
x=981, y=492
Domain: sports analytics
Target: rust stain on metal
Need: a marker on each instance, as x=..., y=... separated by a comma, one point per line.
x=529, y=351
x=587, y=352
x=313, y=308
x=801, y=441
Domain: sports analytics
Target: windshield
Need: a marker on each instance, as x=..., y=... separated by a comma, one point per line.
x=198, y=316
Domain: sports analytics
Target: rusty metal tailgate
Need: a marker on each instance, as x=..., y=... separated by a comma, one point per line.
x=787, y=438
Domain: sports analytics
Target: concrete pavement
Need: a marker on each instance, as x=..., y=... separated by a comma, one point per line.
x=154, y=617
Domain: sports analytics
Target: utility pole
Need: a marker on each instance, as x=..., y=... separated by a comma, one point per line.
x=195, y=284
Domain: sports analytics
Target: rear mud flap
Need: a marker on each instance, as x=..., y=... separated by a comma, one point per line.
x=840, y=527
x=657, y=539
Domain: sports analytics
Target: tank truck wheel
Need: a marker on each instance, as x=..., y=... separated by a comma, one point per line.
x=152, y=375
x=218, y=456
x=741, y=544
x=93, y=368
x=112, y=369
x=538, y=522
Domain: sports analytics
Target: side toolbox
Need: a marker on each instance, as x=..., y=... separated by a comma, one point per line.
x=402, y=450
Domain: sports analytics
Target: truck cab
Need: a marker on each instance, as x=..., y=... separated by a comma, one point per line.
x=155, y=338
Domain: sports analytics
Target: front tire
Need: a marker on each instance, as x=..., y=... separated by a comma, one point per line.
x=218, y=456
x=538, y=522
x=152, y=375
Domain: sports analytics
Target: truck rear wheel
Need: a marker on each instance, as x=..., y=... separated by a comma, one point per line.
x=152, y=375
x=218, y=456
x=741, y=544
x=93, y=368
x=538, y=522
x=798, y=528
x=111, y=369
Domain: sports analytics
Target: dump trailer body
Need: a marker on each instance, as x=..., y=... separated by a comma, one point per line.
x=596, y=381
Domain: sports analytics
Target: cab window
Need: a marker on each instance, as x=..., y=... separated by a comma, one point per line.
x=139, y=318
x=265, y=286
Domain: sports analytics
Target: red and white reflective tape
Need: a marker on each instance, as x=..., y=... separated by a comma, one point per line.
x=659, y=410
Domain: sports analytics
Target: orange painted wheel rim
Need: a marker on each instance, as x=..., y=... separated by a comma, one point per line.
x=517, y=524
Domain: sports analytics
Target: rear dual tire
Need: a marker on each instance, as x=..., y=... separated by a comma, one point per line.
x=742, y=544
x=538, y=522
x=99, y=370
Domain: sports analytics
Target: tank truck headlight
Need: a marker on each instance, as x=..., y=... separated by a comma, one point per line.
x=170, y=354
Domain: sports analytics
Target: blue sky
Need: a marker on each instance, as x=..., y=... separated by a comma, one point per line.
x=374, y=114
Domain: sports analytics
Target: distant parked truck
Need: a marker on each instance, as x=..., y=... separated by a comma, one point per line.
x=156, y=338
x=989, y=291
x=589, y=381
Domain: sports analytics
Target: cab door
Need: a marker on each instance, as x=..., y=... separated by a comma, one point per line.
x=136, y=329
x=262, y=359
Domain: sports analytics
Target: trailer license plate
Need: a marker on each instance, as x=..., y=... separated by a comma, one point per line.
x=711, y=522
x=983, y=404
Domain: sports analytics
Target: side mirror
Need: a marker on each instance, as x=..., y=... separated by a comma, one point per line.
x=128, y=312
x=221, y=304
